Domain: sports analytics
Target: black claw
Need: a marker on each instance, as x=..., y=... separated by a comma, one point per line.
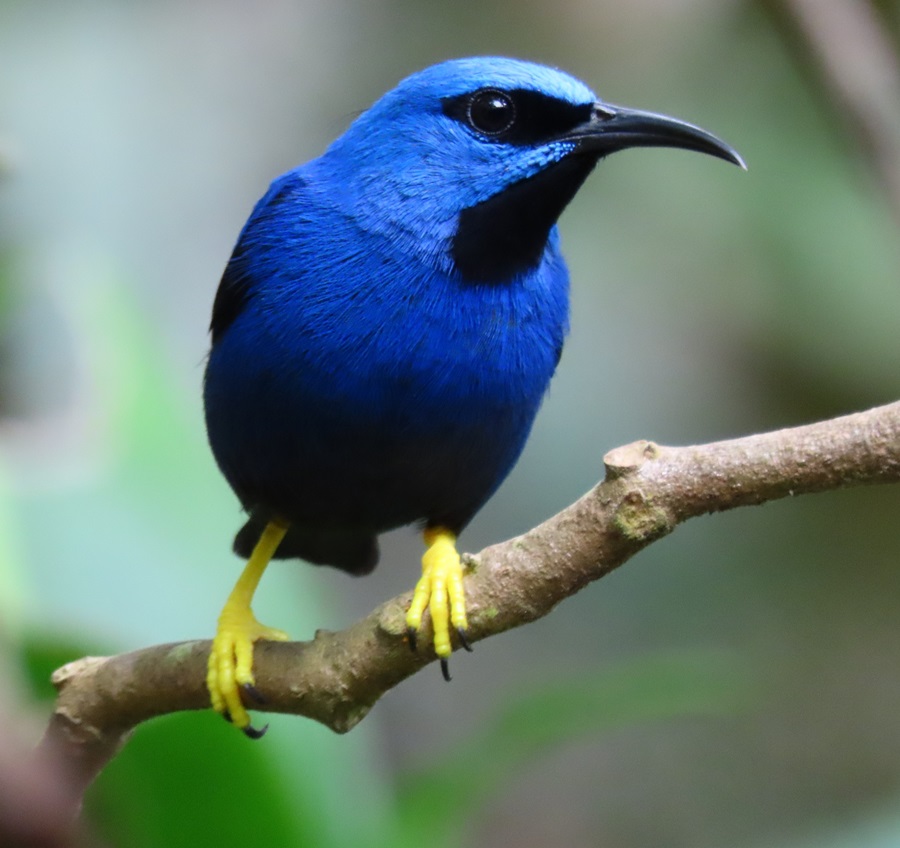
x=253, y=693
x=411, y=636
x=252, y=733
x=227, y=716
x=445, y=669
x=463, y=639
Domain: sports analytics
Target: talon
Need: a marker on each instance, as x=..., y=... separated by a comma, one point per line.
x=254, y=694
x=445, y=669
x=226, y=715
x=463, y=639
x=252, y=733
x=411, y=636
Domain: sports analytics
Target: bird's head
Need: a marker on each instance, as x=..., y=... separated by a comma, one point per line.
x=469, y=163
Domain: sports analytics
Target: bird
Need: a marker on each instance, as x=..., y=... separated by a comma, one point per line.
x=388, y=323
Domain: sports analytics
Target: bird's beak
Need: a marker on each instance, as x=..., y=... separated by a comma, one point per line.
x=611, y=128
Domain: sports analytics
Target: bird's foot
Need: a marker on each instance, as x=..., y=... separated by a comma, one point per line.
x=230, y=667
x=440, y=590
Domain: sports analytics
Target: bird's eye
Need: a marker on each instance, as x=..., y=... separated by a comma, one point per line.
x=491, y=112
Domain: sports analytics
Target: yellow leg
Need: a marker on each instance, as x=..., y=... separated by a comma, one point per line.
x=440, y=590
x=230, y=666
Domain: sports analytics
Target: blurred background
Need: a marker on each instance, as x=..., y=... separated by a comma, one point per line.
x=737, y=684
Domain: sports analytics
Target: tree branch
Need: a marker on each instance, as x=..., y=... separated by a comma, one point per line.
x=337, y=677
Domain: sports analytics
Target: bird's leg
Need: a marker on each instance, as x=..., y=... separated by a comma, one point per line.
x=440, y=589
x=230, y=666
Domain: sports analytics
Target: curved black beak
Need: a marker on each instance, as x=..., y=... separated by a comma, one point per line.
x=611, y=128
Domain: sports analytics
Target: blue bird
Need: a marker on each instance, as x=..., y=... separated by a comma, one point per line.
x=389, y=322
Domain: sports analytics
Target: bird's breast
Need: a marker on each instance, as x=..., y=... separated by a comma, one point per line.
x=400, y=391
x=400, y=346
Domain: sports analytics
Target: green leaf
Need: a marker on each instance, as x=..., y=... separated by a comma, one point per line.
x=184, y=781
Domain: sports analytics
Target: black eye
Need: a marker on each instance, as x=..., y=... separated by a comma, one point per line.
x=491, y=112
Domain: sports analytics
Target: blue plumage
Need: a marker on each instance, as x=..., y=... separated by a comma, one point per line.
x=387, y=327
x=393, y=312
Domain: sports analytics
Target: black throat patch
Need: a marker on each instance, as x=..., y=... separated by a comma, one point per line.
x=506, y=234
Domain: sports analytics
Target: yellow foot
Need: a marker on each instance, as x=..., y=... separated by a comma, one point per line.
x=230, y=667
x=440, y=589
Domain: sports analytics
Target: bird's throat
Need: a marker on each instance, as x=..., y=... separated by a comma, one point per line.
x=505, y=235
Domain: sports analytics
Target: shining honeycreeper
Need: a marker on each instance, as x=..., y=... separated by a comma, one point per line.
x=388, y=324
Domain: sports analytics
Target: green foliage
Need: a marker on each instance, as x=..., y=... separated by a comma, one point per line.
x=186, y=780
